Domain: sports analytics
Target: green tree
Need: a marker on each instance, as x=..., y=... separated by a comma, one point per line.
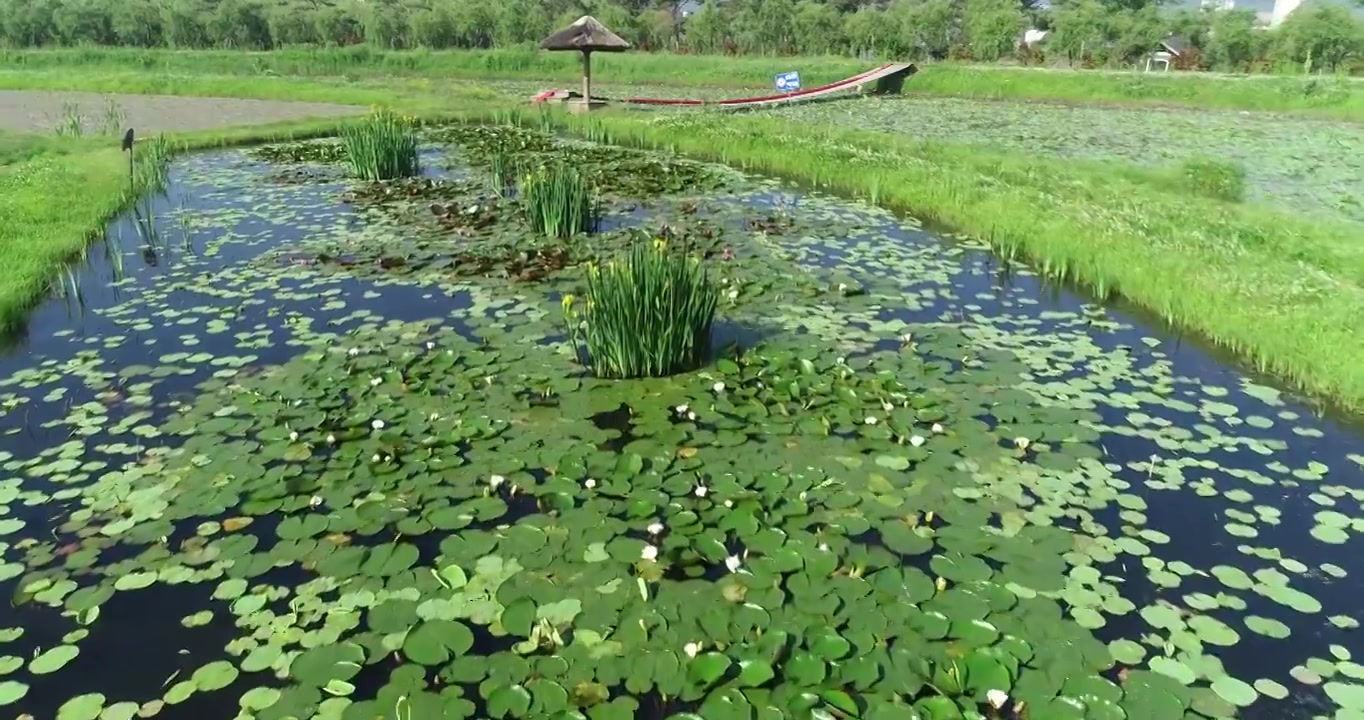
x=1231, y=42
x=1079, y=28
x=28, y=23
x=239, y=24
x=183, y=24
x=993, y=27
x=293, y=23
x=707, y=29
x=817, y=27
x=930, y=27
x=136, y=23
x=1321, y=36
x=83, y=22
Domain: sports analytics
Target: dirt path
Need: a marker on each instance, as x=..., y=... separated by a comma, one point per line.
x=49, y=111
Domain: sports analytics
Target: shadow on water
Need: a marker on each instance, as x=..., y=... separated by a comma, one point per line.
x=169, y=282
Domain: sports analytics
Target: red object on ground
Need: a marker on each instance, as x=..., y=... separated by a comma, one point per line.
x=862, y=79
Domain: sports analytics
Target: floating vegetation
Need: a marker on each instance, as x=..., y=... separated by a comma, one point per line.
x=381, y=147
x=648, y=314
x=339, y=465
x=311, y=151
x=558, y=201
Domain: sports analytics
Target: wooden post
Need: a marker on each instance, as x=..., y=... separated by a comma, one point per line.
x=587, y=77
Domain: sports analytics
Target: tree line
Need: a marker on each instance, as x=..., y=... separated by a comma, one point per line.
x=1320, y=36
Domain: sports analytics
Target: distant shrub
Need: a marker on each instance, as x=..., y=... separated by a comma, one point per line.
x=381, y=147
x=1219, y=179
x=646, y=315
x=558, y=201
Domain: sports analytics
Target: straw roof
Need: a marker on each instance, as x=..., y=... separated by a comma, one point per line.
x=586, y=34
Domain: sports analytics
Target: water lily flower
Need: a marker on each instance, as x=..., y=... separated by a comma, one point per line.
x=842, y=287
x=649, y=553
x=732, y=294
x=375, y=458
x=1022, y=443
x=996, y=698
x=733, y=563
x=916, y=440
x=691, y=416
x=315, y=502
x=353, y=352
x=718, y=387
x=388, y=458
x=495, y=480
x=729, y=503
x=377, y=424
x=691, y=649
x=701, y=491
x=824, y=547
x=655, y=528
x=870, y=420
x=293, y=436
x=375, y=382
x=433, y=417
x=430, y=345
x=331, y=439
x=589, y=483
x=681, y=408
x=938, y=429
x=887, y=405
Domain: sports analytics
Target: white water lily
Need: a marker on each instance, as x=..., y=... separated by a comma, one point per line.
x=732, y=294
x=655, y=528
x=996, y=698
x=649, y=553
x=433, y=417
x=681, y=408
x=733, y=563
x=430, y=345
x=377, y=424
x=887, y=406
x=938, y=429
x=691, y=649
x=375, y=382
x=870, y=420
x=353, y=352
x=916, y=440
x=701, y=490
x=375, y=458
x=293, y=436
x=824, y=547
x=589, y=483
x=315, y=502
x=718, y=387
x=1022, y=443
x=729, y=503
x=331, y=439
x=495, y=480
x=691, y=416
x=842, y=287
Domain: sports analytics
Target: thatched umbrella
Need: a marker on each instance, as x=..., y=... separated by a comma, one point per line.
x=586, y=35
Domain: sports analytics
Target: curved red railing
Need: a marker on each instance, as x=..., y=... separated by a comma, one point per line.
x=873, y=74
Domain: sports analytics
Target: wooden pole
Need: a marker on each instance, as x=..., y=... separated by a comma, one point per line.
x=587, y=77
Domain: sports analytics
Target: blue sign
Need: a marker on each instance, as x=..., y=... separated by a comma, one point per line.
x=788, y=81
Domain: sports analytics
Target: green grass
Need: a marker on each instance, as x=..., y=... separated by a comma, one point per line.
x=1340, y=98
x=1283, y=292
x=558, y=201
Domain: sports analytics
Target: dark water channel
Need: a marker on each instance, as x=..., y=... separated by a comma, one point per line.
x=1207, y=446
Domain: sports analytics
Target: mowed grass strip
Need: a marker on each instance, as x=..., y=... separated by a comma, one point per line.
x=1284, y=293
x=1322, y=96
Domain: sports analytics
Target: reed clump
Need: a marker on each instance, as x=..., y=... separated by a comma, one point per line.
x=558, y=201
x=383, y=146
x=648, y=314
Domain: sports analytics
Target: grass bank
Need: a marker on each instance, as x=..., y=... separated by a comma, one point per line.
x=1284, y=293
x=1339, y=98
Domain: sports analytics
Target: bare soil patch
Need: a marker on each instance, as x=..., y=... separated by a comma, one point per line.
x=49, y=111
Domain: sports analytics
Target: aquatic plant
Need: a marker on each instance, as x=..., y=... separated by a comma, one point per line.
x=502, y=172
x=1218, y=179
x=381, y=147
x=647, y=315
x=558, y=201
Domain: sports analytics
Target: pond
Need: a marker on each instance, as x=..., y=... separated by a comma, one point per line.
x=293, y=446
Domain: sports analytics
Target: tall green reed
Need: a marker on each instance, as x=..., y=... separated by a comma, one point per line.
x=383, y=146
x=648, y=314
x=558, y=201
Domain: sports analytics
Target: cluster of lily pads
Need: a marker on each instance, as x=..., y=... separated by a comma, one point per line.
x=367, y=475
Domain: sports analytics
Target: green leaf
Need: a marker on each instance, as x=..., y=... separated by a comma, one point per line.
x=753, y=673
x=842, y=701
x=509, y=700
x=518, y=617
x=706, y=668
